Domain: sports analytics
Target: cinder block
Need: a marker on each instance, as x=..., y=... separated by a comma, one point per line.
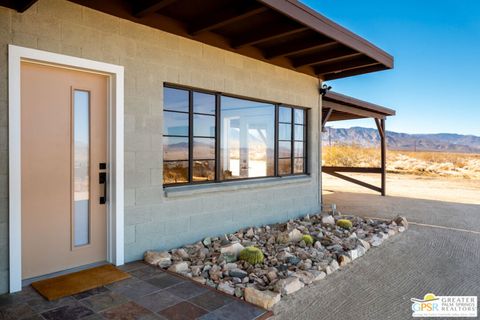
x=137, y=178
x=146, y=160
x=129, y=234
x=177, y=226
x=129, y=197
x=149, y=195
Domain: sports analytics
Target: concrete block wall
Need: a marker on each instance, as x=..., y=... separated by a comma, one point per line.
x=151, y=57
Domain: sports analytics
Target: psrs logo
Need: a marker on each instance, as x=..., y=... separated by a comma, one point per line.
x=444, y=306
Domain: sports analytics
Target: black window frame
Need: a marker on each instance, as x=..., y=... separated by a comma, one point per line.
x=217, y=137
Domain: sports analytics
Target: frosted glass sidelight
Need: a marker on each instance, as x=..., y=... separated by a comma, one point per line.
x=81, y=163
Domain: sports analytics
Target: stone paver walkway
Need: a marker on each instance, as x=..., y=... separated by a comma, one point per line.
x=150, y=294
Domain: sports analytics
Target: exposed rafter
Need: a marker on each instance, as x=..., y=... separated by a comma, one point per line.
x=265, y=34
x=339, y=66
x=146, y=7
x=354, y=72
x=324, y=56
x=228, y=15
x=297, y=46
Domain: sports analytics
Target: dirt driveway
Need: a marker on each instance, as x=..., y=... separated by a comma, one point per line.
x=439, y=253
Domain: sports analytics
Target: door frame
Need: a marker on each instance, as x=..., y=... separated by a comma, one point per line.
x=115, y=152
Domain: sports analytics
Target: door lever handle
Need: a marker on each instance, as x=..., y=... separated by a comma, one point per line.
x=102, y=177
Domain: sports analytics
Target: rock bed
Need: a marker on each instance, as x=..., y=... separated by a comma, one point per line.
x=289, y=262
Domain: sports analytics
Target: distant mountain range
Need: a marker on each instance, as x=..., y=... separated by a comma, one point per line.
x=367, y=137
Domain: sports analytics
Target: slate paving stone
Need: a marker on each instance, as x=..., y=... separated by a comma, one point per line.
x=36, y=317
x=132, y=266
x=211, y=300
x=27, y=293
x=89, y=293
x=186, y=290
x=41, y=304
x=211, y=316
x=128, y=311
x=71, y=311
x=145, y=273
x=238, y=310
x=164, y=280
x=104, y=301
x=16, y=312
x=135, y=288
x=158, y=301
x=161, y=296
x=183, y=311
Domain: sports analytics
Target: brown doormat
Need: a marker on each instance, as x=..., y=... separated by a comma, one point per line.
x=77, y=282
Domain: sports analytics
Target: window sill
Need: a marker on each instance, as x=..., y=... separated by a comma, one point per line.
x=192, y=190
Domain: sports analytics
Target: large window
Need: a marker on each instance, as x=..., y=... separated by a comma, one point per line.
x=212, y=137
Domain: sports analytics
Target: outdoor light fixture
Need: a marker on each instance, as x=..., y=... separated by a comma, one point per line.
x=324, y=89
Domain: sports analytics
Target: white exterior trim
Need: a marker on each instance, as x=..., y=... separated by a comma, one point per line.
x=115, y=224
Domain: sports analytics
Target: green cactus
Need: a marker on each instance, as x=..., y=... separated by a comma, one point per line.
x=344, y=223
x=252, y=255
x=308, y=239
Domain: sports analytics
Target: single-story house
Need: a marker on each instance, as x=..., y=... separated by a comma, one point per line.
x=134, y=125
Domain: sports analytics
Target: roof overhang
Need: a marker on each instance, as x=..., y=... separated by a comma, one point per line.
x=337, y=107
x=285, y=33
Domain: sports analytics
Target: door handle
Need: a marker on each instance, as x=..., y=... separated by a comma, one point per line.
x=102, y=177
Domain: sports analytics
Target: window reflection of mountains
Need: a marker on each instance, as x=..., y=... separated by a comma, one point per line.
x=179, y=151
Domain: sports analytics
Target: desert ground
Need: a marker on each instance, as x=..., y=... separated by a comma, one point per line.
x=439, y=253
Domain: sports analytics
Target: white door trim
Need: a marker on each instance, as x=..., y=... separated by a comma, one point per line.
x=115, y=227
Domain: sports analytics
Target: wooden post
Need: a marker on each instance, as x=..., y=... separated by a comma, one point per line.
x=383, y=139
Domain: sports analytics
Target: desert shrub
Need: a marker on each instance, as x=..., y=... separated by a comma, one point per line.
x=252, y=255
x=344, y=223
x=308, y=239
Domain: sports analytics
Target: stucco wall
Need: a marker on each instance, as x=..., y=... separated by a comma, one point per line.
x=152, y=57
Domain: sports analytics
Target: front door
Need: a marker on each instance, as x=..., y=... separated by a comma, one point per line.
x=63, y=163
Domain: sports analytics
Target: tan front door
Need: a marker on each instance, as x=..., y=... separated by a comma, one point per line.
x=63, y=144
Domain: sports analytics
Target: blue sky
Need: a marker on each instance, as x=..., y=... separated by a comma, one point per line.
x=435, y=85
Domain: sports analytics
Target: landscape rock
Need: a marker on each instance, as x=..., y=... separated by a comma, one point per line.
x=232, y=249
x=289, y=264
x=295, y=236
x=264, y=299
x=288, y=285
x=318, y=275
x=334, y=265
x=328, y=220
x=401, y=221
x=161, y=259
x=238, y=273
x=364, y=244
x=343, y=261
x=225, y=287
x=304, y=276
x=179, y=267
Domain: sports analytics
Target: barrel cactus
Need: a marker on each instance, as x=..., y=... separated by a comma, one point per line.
x=344, y=223
x=252, y=255
x=308, y=239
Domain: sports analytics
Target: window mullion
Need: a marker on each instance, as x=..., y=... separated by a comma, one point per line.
x=190, y=136
x=292, y=137
x=217, y=138
x=275, y=150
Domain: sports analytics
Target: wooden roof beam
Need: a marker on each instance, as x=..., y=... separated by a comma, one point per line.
x=350, y=111
x=146, y=7
x=353, y=72
x=298, y=46
x=335, y=67
x=225, y=16
x=265, y=34
x=325, y=56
